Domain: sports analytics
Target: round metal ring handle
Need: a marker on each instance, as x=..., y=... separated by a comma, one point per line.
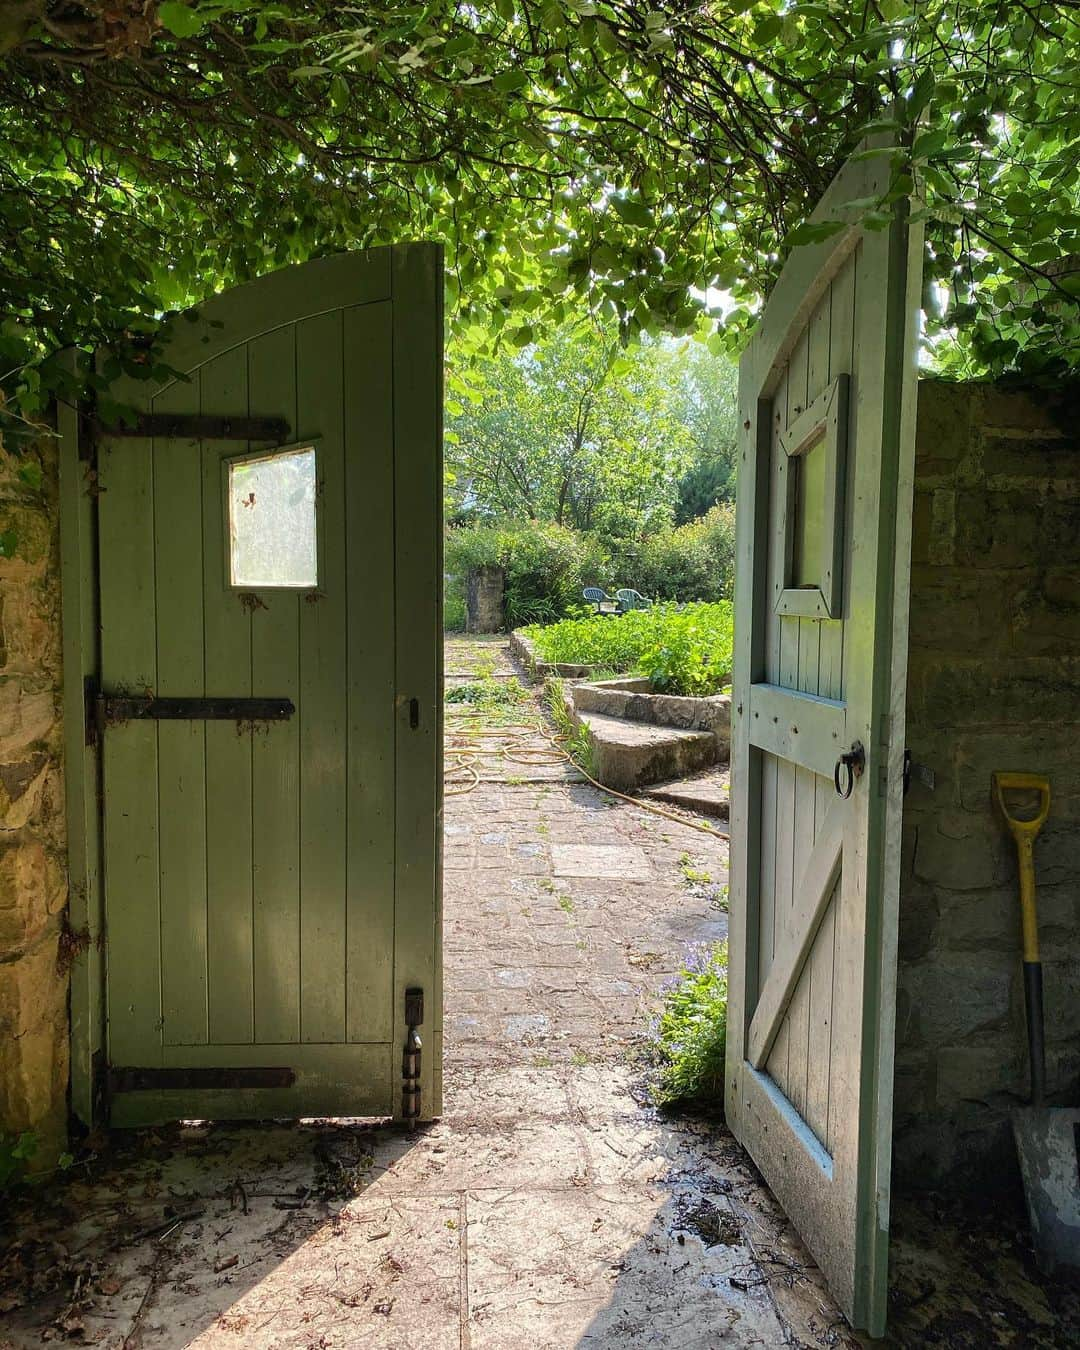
x=849, y=766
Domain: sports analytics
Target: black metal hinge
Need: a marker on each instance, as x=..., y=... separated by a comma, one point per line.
x=198, y=1079
x=114, y=710
x=190, y=427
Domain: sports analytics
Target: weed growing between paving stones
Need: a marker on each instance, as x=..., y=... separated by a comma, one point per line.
x=488, y=693
x=576, y=740
x=690, y=1034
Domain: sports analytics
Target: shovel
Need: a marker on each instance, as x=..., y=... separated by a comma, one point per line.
x=1047, y=1137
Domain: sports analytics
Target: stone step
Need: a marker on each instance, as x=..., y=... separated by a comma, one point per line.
x=707, y=795
x=628, y=754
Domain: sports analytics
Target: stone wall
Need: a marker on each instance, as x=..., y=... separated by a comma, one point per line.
x=33, y=887
x=994, y=683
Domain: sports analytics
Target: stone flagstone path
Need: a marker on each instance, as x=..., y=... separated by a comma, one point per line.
x=551, y=1207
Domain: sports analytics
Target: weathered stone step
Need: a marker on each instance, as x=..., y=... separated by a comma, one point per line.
x=628, y=754
x=708, y=794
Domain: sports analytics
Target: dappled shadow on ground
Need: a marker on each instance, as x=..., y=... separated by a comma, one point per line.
x=164, y=1235
x=966, y=1279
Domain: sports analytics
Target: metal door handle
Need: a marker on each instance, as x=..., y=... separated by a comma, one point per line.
x=849, y=766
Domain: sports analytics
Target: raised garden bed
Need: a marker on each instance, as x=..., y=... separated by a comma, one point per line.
x=525, y=650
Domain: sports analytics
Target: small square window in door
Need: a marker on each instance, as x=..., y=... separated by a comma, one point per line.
x=811, y=515
x=273, y=542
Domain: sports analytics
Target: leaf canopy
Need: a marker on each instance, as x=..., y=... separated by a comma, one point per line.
x=572, y=155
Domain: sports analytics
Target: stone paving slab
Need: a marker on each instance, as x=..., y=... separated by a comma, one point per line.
x=550, y=1207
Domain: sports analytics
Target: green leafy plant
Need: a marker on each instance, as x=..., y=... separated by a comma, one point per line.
x=576, y=739
x=691, y=1032
x=15, y=1154
x=487, y=693
x=682, y=650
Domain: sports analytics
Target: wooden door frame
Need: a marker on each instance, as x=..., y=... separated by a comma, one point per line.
x=412, y=280
x=790, y=1150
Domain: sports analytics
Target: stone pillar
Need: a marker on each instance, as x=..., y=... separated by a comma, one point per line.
x=484, y=600
x=33, y=883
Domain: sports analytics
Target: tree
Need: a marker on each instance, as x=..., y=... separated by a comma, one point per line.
x=571, y=430
x=571, y=154
x=710, y=412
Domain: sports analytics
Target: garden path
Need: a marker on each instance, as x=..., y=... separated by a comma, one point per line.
x=550, y=1207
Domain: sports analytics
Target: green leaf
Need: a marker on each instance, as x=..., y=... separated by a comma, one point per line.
x=181, y=20
x=510, y=81
x=813, y=232
x=30, y=474
x=632, y=210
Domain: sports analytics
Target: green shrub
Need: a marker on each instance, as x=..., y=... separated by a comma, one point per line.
x=544, y=566
x=453, y=609
x=683, y=650
x=694, y=562
x=547, y=566
x=691, y=1032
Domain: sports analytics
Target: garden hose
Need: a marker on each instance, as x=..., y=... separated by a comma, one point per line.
x=460, y=758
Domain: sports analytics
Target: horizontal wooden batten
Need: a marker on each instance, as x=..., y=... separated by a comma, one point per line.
x=804, y=728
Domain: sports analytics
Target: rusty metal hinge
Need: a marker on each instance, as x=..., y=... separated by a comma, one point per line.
x=113, y=710
x=410, y=1059
x=199, y=1079
x=189, y=427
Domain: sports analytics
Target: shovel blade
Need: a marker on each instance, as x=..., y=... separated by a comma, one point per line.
x=1048, y=1142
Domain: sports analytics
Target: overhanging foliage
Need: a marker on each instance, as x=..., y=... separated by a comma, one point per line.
x=568, y=152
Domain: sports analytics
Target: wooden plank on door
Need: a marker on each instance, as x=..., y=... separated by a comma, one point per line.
x=416, y=278
x=323, y=692
x=227, y=667
x=178, y=575
x=370, y=688
x=129, y=661
x=275, y=748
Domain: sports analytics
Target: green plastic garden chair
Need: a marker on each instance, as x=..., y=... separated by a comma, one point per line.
x=630, y=599
x=605, y=604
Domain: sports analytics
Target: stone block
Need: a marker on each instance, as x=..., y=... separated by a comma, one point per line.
x=27, y=716
x=958, y=610
x=975, y=1073
x=969, y=692
x=1016, y=411
x=1048, y=749
x=942, y=427
x=961, y=851
x=980, y=921
x=34, y=1047
x=921, y=517
x=1043, y=609
x=1035, y=462
x=918, y=919
x=954, y=997
x=32, y=889
x=1015, y=528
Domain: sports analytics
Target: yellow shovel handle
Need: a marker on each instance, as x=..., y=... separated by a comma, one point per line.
x=1024, y=832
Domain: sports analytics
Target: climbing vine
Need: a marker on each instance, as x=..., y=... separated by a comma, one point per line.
x=568, y=153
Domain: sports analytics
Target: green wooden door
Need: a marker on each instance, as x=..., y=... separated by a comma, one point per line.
x=824, y=520
x=272, y=886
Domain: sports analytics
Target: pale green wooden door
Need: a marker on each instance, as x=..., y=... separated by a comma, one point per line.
x=272, y=886
x=824, y=513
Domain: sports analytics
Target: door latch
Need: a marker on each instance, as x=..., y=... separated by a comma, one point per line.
x=410, y=1059
x=849, y=766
